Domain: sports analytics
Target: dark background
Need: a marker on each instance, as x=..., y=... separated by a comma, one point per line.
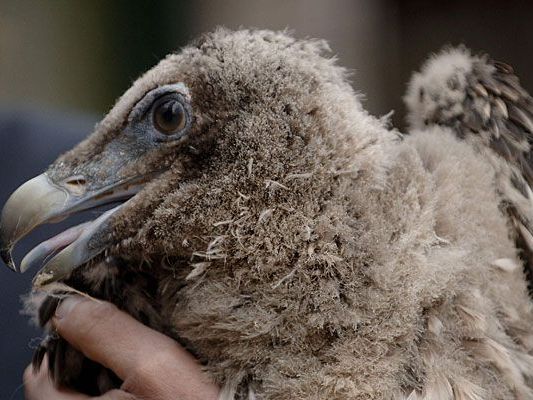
x=63, y=63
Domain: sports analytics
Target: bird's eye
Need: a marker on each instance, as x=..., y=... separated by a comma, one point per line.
x=169, y=116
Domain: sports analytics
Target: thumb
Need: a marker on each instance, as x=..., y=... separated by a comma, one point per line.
x=107, y=335
x=151, y=364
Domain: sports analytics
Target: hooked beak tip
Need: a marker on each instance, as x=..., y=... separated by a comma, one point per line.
x=32, y=204
x=5, y=255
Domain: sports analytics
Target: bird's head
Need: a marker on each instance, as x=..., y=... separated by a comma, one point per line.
x=436, y=93
x=230, y=116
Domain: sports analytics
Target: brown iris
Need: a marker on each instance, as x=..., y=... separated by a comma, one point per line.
x=169, y=116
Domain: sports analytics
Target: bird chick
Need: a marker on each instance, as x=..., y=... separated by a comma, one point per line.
x=482, y=101
x=295, y=245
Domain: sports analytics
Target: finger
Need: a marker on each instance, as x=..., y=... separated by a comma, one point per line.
x=38, y=386
x=115, y=395
x=144, y=359
x=107, y=335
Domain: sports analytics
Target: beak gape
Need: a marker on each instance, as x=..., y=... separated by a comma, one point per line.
x=40, y=201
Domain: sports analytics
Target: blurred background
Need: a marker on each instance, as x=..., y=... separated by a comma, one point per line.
x=63, y=63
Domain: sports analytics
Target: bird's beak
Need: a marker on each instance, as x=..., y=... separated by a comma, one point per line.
x=32, y=204
x=41, y=201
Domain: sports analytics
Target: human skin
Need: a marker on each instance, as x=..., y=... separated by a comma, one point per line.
x=151, y=365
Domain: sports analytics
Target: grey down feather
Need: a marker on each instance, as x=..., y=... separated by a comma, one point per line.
x=482, y=101
x=304, y=250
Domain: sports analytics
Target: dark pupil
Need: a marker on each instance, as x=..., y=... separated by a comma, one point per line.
x=169, y=116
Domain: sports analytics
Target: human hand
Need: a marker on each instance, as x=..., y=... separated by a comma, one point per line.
x=151, y=365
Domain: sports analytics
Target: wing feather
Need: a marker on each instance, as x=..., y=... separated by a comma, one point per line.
x=496, y=103
x=510, y=125
x=496, y=110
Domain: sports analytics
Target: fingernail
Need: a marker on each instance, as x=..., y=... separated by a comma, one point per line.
x=66, y=306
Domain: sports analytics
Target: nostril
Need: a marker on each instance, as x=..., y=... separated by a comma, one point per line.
x=76, y=181
x=75, y=184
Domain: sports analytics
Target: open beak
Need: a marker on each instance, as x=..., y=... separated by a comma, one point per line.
x=41, y=201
